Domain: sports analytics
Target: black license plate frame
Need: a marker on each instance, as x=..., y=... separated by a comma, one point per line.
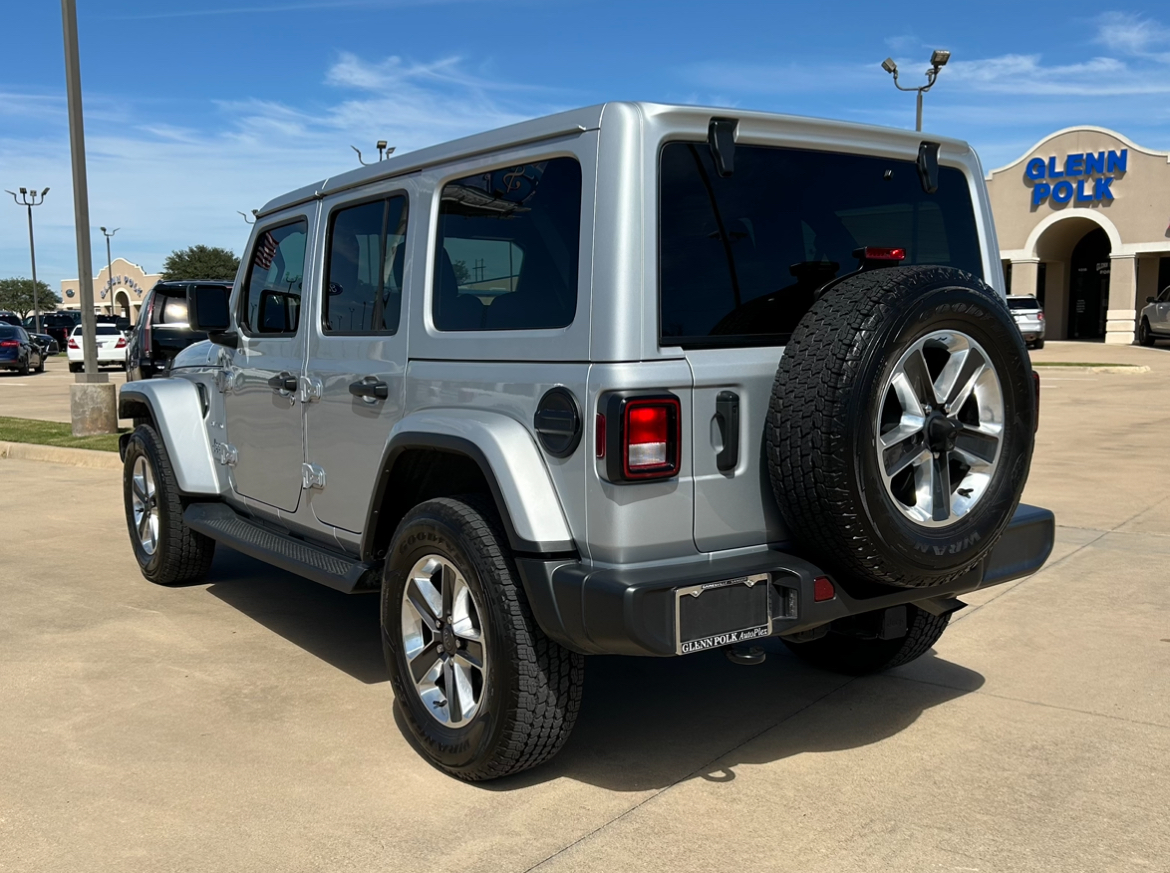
x=736, y=611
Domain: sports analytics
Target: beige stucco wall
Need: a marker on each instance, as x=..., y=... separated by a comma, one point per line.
x=1137, y=222
x=122, y=296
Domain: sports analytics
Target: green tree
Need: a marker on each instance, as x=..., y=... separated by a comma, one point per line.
x=16, y=295
x=201, y=262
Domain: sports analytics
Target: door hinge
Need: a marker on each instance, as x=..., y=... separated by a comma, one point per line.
x=224, y=453
x=311, y=389
x=312, y=476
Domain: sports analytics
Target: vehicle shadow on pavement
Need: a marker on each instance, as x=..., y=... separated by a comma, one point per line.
x=340, y=629
x=645, y=723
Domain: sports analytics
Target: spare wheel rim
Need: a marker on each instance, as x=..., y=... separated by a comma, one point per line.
x=939, y=428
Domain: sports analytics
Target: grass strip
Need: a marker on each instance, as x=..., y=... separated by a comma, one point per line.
x=53, y=433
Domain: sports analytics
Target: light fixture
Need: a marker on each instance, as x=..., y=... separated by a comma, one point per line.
x=889, y=66
x=939, y=58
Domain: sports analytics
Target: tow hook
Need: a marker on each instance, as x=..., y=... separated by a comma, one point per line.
x=745, y=655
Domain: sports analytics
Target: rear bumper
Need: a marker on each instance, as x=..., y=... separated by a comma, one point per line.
x=624, y=611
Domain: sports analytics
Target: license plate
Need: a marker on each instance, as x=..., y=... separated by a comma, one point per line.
x=722, y=613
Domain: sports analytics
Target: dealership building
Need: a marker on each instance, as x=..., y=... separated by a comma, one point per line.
x=118, y=290
x=1083, y=220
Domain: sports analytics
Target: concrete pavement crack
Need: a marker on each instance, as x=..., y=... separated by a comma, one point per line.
x=1040, y=703
x=703, y=767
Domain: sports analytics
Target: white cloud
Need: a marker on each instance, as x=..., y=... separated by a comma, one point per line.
x=168, y=185
x=1132, y=34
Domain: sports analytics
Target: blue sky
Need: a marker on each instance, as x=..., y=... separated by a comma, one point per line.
x=195, y=110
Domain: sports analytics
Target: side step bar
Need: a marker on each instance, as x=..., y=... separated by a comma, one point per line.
x=224, y=525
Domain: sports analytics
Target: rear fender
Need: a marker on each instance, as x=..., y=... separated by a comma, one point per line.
x=510, y=462
x=175, y=408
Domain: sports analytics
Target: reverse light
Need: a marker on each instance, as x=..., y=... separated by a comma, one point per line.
x=642, y=434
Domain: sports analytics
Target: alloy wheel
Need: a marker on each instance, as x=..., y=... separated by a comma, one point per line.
x=443, y=641
x=940, y=428
x=144, y=503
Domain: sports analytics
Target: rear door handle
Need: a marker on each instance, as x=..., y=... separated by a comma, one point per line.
x=370, y=389
x=727, y=417
x=284, y=382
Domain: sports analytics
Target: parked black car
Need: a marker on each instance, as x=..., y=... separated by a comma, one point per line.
x=58, y=325
x=162, y=330
x=47, y=344
x=18, y=352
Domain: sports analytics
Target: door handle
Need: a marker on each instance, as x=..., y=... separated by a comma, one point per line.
x=370, y=389
x=727, y=417
x=284, y=382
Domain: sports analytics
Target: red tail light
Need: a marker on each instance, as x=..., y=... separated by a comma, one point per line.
x=121, y=343
x=878, y=253
x=147, y=334
x=644, y=436
x=73, y=343
x=823, y=589
x=9, y=343
x=1040, y=316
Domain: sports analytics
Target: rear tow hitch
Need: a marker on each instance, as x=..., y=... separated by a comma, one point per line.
x=745, y=655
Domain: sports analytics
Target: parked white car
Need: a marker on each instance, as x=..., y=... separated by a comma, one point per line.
x=1029, y=317
x=111, y=347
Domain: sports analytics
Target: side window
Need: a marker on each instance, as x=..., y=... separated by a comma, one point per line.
x=272, y=291
x=363, y=278
x=1165, y=298
x=508, y=247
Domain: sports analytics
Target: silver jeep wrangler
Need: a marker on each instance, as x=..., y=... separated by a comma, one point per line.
x=634, y=379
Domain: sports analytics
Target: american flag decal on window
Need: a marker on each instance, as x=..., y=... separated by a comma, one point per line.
x=265, y=251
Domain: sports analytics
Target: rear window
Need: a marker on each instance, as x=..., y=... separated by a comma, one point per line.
x=1022, y=303
x=508, y=248
x=102, y=330
x=741, y=258
x=170, y=308
x=7, y=331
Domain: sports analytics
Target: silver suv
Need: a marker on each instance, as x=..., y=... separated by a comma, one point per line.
x=634, y=379
x=1155, y=319
x=1029, y=318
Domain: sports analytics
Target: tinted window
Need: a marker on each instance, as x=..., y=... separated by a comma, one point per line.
x=363, y=280
x=508, y=248
x=742, y=257
x=272, y=292
x=7, y=331
x=1022, y=303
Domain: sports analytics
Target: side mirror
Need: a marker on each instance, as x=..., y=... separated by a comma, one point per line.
x=208, y=310
x=1149, y=300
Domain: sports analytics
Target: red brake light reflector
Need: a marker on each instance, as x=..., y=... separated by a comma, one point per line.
x=823, y=589
x=121, y=343
x=73, y=343
x=7, y=343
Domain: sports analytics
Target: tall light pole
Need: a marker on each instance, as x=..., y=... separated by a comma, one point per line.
x=28, y=198
x=938, y=60
x=93, y=401
x=110, y=267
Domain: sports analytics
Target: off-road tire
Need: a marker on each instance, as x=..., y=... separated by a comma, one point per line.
x=182, y=555
x=1145, y=337
x=820, y=433
x=856, y=656
x=533, y=689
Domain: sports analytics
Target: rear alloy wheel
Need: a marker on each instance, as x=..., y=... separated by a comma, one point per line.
x=168, y=552
x=483, y=691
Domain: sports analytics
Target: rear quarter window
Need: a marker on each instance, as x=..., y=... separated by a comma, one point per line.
x=741, y=258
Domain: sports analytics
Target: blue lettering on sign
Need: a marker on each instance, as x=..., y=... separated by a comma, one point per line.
x=1077, y=164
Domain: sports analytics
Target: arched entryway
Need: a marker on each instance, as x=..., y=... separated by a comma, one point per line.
x=1088, y=287
x=122, y=304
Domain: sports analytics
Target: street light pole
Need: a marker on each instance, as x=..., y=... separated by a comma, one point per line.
x=938, y=60
x=93, y=401
x=28, y=198
x=110, y=267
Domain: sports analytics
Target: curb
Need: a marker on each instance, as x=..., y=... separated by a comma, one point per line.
x=58, y=455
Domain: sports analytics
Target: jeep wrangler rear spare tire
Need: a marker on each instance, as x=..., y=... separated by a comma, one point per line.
x=484, y=692
x=900, y=430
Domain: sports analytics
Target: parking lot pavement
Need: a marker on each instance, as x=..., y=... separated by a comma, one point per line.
x=245, y=724
x=45, y=395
